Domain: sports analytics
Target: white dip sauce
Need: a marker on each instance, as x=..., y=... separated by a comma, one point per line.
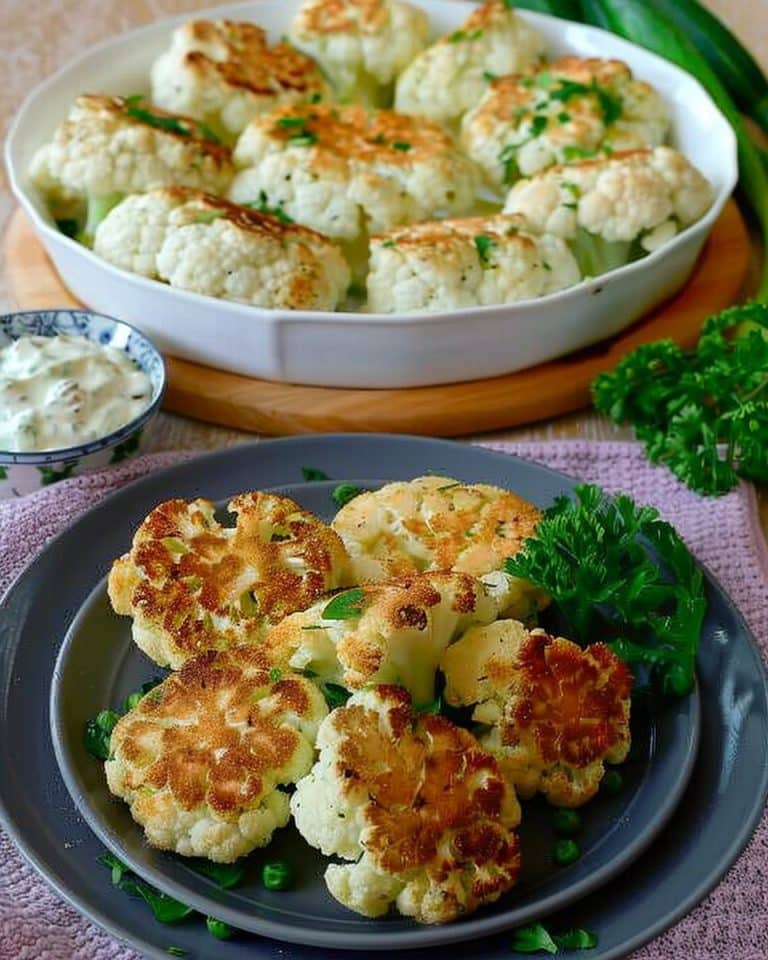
x=61, y=391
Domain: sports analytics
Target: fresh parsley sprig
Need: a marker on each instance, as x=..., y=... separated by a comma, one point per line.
x=704, y=414
x=590, y=555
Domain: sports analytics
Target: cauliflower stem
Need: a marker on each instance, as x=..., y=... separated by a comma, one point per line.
x=98, y=208
x=595, y=255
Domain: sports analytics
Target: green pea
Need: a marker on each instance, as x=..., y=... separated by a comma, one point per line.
x=612, y=783
x=566, y=822
x=106, y=720
x=133, y=700
x=277, y=875
x=218, y=929
x=566, y=852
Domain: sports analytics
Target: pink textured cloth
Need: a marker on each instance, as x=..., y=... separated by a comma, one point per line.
x=724, y=533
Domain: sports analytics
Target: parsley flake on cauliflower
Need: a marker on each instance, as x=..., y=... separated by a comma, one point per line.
x=191, y=584
x=224, y=72
x=616, y=209
x=110, y=146
x=566, y=110
x=345, y=171
x=201, y=757
x=553, y=713
x=436, y=523
x=476, y=261
x=389, y=632
x=211, y=246
x=450, y=77
x=361, y=44
x=415, y=803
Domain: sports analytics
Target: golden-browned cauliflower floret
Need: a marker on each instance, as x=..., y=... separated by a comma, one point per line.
x=436, y=523
x=200, y=758
x=224, y=72
x=615, y=209
x=475, y=261
x=451, y=76
x=191, y=584
x=421, y=810
x=569, y=109
x=345, y=171
x=110, y=146
x=554, y=713
x=205, y=244
x=361, y=44
x=389, y=632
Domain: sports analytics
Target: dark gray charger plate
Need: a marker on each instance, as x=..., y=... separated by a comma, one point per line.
x=99, y=665
x=717, y=815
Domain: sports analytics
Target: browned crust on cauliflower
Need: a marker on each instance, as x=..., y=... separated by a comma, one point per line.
x=214, y=740
x=193, y=585
x=250, y=61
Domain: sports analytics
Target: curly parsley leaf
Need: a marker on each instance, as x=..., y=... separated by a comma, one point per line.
x=589, y=554
x=704, y=413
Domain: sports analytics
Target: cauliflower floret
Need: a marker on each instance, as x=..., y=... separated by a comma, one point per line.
x=191, y=584
x=200, y=758
x=344, y=171
x=569, y=109
x=110, y=146
x=208, y=245
x=553, y=712
x=390, y=632
x=451, y=76
x=436, y=523
x=616, y=209
x=449, y=264
x=361, y=44
x=224, y=72
x=417, y=804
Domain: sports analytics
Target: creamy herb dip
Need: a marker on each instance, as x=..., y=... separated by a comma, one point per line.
x=61, y=391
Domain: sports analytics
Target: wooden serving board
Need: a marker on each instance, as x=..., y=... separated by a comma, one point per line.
x=539, y=393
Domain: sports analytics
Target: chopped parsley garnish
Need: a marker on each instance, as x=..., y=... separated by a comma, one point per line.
x=262, y=206
x=488, y=76
x=571, y=205
x=535, y=938
x=379, y=138
x=335, y=695
x=289, y=123
x=588, y=554
x=313, y=475
x=388, y=244
x=305, y=139
x=610, y=104
x=165, y=909
x=344, y=606
x=563, y=117
x=169, y=124
x=275, y=674
x=484, y=245
x=401, y=145
x=224, y=875
x=538, y=125
x=572, y=153
x=702, y=413
x=316, y=97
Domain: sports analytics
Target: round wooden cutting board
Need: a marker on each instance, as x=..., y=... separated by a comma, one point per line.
x=542, y=392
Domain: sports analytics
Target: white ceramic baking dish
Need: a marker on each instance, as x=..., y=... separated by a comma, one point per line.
x=359, y=349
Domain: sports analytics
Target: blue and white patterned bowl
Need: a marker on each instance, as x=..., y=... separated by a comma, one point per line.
x=22, y=473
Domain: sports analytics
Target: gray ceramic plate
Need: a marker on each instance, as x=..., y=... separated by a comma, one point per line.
x=717, y=814
x=99, y=665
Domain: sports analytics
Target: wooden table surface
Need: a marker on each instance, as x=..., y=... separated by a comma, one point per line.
x=41, y=35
